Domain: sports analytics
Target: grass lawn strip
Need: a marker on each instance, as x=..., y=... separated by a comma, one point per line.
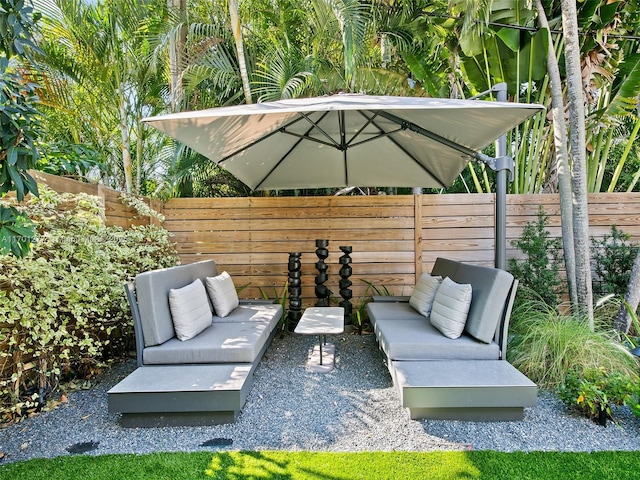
x=328, y=465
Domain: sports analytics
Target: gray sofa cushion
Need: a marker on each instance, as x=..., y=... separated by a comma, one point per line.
x=265, y=313
x=406, y=340
x=152, y=290
x=392, y=311
x=491, y=288
x=232, y=342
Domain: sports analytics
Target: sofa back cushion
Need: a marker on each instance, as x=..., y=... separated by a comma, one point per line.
x=190, y=310
x=451, y=308
x=424, y=293
x=490, y=290
x=152, y=292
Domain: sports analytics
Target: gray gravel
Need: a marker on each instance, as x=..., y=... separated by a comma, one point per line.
x=352, y=408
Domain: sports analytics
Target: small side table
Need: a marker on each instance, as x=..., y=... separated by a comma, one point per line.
x=322, y=321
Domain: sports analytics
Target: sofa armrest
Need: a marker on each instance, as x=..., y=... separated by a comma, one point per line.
x=130, y=291
x=391, y=298
x=503, y=334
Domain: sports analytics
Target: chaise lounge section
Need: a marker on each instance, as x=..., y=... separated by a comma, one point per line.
x=463, y=378
x=204, y=379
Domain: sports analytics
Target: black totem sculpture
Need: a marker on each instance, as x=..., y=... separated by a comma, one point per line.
x=322, y=292
x=295, y=290
x=345, y=283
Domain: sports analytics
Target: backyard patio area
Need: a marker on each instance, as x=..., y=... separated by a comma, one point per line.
x=353, y=408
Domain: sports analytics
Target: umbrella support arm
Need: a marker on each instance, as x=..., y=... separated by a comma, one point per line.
x=497, y=164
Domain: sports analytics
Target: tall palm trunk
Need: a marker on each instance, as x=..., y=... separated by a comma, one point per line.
x=126, y=143
x=578, y=158
x=236, y=28
x=562, y=160
x=177, y=43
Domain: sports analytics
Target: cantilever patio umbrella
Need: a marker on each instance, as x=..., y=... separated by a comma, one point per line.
x=348, y=139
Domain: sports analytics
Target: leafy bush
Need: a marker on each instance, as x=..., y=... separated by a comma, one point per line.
x=594, y=391
x=546, y=345
x=63, y=305
x=613, y=256
x=539, y=271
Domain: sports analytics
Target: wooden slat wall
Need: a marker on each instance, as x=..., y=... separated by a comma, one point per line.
x=394, y=238
x=115, y=212
x=251, y=237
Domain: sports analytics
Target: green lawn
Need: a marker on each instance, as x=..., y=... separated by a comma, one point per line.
x=333, y=466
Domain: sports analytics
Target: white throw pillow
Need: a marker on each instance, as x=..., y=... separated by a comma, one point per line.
x=190, y=310
x=222, y=293
x=423, y=294
x=451, y=307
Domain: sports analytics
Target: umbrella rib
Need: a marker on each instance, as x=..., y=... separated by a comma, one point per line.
x=384, y=133
x=293, y=147
x=367, y=123
x=439, y=180
x=261, y=139
x=429, y=134
x=316, y=125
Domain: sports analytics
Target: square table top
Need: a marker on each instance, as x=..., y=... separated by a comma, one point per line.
x=321, y=321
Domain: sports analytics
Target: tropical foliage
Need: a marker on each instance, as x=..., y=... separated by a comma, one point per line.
x=51, y=334
x=105, y=65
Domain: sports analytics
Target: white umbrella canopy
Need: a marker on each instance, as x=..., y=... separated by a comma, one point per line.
x=345, y=140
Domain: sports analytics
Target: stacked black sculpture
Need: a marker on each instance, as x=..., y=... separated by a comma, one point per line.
x=322, y=292
x=295, y=291
x=345, y=283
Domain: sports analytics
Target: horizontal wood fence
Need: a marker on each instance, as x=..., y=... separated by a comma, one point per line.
x=116, y=213
x=394, y=238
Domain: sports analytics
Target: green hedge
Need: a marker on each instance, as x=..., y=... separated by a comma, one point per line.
x=62, y=308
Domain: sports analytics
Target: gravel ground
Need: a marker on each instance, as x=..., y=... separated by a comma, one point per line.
x=352, y=408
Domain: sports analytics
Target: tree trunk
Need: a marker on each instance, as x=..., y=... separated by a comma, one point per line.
x=139, y=154
x=562, y=161
x=578, y=159
x=632, y=297
x=126, y=144
x=236, y=28
x=177, y=47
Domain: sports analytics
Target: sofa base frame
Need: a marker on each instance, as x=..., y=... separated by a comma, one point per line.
x=479, y=390
x=185, y=395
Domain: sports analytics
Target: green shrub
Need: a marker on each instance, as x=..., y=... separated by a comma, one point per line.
x=539, y=271
x=593, y=392
x=613, y=256
x=63, y=305
x=546, y=345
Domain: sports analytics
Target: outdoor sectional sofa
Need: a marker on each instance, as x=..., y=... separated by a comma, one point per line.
x=464, y=378
x=204, y=379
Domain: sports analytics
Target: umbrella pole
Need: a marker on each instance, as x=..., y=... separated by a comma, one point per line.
x=501, y=194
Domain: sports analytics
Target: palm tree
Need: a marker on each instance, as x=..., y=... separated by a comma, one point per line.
x=561, y=158
x=236, y=28
x=576, y=103
x=98, y=78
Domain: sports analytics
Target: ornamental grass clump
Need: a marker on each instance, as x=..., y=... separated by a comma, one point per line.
x=546, y=345
x=62, y=306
